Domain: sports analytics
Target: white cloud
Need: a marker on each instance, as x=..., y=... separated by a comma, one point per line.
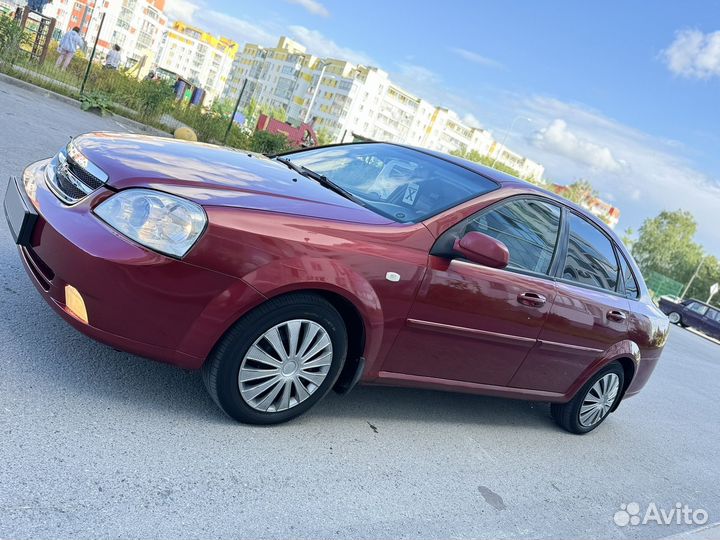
x=561, y=140
x=649, y=174
x=322, y=46
x=471, y=120
x=181, y=10
x=216, y=22
x=475, y=58
x=417, y=75
x=694, y=54
x=313, y=6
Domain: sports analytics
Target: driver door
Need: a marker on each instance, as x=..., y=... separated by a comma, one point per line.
x=474, y=323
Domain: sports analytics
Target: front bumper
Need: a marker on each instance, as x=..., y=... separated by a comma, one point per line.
x=136, y=300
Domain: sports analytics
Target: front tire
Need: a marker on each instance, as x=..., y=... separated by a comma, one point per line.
x=675, y=318
x=277, y=361
x=593, y=402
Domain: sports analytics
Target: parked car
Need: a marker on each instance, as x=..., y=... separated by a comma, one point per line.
x=694, y=313
x=282, y=278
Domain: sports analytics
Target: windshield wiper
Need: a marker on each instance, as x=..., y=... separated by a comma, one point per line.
x=322, y=180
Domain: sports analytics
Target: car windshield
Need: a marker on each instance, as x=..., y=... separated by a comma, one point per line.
x=403, y=184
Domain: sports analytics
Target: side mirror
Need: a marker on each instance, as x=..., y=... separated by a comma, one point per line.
x=482, y=249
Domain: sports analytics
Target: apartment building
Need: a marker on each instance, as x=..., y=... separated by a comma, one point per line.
x=198, y=56
x=137, y=26
x=350, y=101
x=526, y=167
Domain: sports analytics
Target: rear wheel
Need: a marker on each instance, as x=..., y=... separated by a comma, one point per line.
x=592, y=404
x=277, y=361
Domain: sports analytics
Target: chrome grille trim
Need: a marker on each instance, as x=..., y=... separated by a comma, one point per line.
x=69, y=181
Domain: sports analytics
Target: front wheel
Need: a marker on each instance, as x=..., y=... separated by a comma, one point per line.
x=675, y=318
x=277, y=361
x=592, y=404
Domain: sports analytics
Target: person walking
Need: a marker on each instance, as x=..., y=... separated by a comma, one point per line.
x=113, y=58
x=69, y=44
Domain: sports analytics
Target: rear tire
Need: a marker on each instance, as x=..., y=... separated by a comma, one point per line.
x=259, y=372
x=593, y=402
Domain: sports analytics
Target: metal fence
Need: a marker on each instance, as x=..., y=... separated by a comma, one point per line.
x=660, y=285
x=29, y=51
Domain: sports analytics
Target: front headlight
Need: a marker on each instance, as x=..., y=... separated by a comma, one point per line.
x=161, y=222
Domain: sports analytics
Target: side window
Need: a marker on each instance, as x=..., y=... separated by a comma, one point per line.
x=590, y=257
x=697, y=308
x=631, y=286
x=528, y=227
x=714, y=315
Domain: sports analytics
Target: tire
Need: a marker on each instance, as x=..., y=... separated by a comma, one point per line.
x=675, y=318
x=250, y=355
x=568, y=415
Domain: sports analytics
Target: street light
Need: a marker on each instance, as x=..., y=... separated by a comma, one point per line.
x=507, y=132
x=697, y=270
x=315, y=93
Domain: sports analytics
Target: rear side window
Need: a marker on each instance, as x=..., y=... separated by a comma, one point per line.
x=714, y=315
x=631, y=286
x=697, y=308
x=528, y=227
x=590, y=257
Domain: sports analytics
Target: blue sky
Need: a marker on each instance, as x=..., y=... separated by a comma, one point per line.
x=624, y=94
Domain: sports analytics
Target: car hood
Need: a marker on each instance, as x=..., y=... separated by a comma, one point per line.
x=215, y=176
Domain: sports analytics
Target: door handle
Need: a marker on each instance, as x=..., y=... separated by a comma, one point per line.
x=531, y=299
x=616, y=315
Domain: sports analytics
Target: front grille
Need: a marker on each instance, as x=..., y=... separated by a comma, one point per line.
x=83, y=175
x=69, y=181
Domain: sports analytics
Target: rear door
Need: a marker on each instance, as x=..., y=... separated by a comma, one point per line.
x=589, y=315
x=473, y=323
x=694, y=314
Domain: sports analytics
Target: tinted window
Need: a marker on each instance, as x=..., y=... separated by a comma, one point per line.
x=713, y=315
x=590, y=258
x=697, y=308
x=631, y=286
x=400, y=183
x=529, y=228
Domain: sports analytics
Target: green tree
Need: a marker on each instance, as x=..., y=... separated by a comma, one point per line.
x=708, y=275
x=324, y=137
x=665, y=245
x=580, y=191
x=628, y=237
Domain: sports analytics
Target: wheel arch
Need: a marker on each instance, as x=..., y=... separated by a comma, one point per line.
x=626, y=353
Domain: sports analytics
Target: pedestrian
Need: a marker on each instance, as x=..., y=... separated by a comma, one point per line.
x=69, y=45
x=113, y=58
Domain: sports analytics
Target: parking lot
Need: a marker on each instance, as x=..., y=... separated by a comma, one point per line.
x=98, y=443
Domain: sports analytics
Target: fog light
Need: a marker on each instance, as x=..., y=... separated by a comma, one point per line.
x=75, y=304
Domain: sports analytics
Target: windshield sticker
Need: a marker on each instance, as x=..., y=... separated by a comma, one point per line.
x=411, y=192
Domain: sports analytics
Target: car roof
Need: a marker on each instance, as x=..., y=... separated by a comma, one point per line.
x=703, y=303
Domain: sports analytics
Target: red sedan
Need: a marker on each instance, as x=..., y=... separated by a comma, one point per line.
x=282, y=278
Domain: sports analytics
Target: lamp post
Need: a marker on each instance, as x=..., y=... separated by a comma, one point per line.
x=507, y=133
x=315, y=93
x=687, y=287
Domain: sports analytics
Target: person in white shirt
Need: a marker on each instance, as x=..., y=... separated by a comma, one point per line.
x=69, y=45
x=112, y=61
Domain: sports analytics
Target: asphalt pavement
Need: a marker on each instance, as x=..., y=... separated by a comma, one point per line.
x=96, y=443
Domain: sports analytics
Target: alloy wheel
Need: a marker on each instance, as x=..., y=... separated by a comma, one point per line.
x=599, y=400
x=674, y=317
x=285, y=365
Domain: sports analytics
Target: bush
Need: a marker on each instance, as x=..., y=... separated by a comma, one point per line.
x=12, y=39
x=265, y=142
x=95, y=101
